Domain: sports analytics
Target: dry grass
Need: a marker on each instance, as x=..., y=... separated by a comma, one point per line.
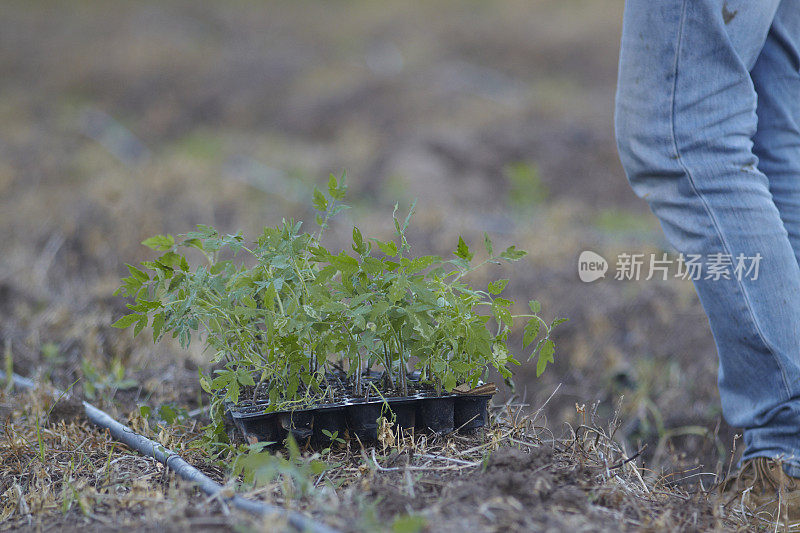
x=59, y=472
x=69, y=472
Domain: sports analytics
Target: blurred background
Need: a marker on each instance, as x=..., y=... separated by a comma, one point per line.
x=120, y=120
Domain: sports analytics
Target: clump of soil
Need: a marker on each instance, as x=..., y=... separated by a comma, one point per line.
x=539, y=488
x=527, y=490
x=67, y=409
x=531, y=479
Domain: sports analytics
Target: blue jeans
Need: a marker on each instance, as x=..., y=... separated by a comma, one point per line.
x=708, y=130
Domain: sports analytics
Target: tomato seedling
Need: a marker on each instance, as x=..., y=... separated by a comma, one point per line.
x=279, y=328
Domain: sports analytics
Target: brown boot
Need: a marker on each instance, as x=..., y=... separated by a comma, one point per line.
x=765, y=490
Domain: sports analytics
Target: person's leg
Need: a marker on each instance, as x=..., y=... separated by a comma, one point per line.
x=776, y=78
x=685, y=118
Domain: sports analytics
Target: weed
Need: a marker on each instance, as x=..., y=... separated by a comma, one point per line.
x=526, y=188
x=53, y=357
x=617, y=221
x=334, y=438
x=410, y=523
x=106, y=383
x=259, y=467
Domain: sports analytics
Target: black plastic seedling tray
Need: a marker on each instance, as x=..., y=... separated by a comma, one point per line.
x=359, y=417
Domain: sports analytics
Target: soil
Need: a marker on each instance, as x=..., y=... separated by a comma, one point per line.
x=66, y=409
x=338, y=388
x=538, y=489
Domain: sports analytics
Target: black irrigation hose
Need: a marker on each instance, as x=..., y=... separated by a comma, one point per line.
x=172, y=460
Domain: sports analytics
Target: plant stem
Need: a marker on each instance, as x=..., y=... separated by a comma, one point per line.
x=358, y=374
x=258, y=385
x=403, y=371
x=388, y=363
x=277, y=295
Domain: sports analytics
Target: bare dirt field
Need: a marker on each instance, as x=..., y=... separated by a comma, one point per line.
x=121, y=120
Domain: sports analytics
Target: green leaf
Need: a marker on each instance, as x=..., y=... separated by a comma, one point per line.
x=245, y=378
x=332, y=186
x=137, y=274
x=203, y=232
x=140, y=325
x=389, y=248
x=530, y=332
x=317, y=467
x=558, y=321
x=221, y=381
x=160, y=243
x=503, y=302
x=535, y=306
x=344, y=262
x=277, y=284
x=487, y=243
x=358, y=241
x=545, y=356
x=233, y=391
x=462, y=250
x=311, y=312
x=320, y=202
x=502, y=314
x=372, y=266
x=496, y=287
x=410, y=214
x=421, y=263
x=512, y=254
x=461, y=367
x=169, y=259
x=337, y=190
x=126, y=321
x=158, y=324
x=398, y=289
x=167, y=413
x=193, y=242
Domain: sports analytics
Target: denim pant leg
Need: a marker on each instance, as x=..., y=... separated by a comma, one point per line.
x=776, y=77
x=685, y=119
